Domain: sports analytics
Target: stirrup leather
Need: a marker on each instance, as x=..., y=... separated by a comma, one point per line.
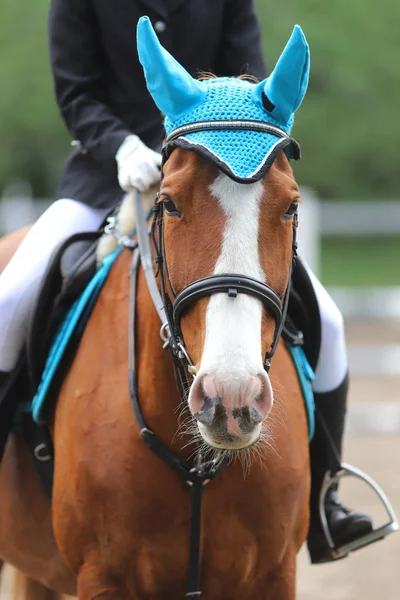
x=377, y=534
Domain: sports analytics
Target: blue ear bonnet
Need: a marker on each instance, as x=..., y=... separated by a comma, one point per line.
x=243, y=154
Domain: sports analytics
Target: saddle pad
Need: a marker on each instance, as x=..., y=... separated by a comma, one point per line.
x=74, y=321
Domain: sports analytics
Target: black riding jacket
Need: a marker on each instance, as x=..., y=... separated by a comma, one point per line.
x=99, y=82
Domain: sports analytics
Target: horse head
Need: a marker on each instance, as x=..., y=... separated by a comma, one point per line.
x=228, y=203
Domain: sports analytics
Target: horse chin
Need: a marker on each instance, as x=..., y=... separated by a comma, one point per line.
x=229, y=441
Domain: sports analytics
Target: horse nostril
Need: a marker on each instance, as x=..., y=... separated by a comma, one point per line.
x=213, y=414
x=248, y=418
x=206, y=413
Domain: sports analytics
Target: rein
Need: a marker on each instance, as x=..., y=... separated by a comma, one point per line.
x=170, y=308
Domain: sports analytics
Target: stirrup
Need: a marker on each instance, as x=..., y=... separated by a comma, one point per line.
x=369, y=538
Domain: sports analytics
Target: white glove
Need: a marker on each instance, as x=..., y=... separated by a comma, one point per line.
x=138, y=166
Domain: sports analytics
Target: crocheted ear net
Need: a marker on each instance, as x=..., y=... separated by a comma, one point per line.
x=242, y=154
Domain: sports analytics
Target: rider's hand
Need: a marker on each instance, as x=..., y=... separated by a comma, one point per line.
x=138, y=166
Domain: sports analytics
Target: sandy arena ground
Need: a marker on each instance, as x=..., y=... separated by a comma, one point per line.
x=373, y=572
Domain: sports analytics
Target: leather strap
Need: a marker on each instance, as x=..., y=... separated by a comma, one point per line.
x=42, y=452
x=230, y=284
x=146, y=256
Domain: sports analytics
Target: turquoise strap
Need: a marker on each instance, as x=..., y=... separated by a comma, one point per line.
x=65, y=333
x=305, y=375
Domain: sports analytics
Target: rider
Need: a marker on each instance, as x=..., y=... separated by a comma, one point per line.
x=104, y=102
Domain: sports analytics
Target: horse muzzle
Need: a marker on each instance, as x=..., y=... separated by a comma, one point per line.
x=229, y=410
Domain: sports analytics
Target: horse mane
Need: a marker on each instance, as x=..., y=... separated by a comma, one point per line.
x=206, y=75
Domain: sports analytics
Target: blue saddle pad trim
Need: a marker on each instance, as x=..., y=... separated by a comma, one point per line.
x=76, y=318
x=306, y=376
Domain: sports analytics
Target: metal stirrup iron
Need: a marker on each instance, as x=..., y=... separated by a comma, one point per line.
x=373, y=536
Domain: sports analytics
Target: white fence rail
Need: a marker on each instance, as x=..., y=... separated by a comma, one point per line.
x=317, y=217
x=372, y=217
x=19, y=211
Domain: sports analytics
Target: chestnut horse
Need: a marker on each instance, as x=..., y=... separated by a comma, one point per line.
x=119, y=523
x=120, y=516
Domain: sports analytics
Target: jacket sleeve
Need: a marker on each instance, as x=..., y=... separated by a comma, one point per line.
x=76, y=63
x=240, y=49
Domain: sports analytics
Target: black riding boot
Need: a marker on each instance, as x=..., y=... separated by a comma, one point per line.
x=325, y=453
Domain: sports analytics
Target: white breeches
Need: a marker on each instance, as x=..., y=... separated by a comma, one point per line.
x=21, y=279
x=332, y=363
x=20, y=283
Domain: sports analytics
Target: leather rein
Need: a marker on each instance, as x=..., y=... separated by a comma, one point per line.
x=170, y=308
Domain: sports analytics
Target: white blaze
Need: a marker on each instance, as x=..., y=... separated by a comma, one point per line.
x=232, y=348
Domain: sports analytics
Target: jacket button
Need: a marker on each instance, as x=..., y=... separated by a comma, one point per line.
x=160, y=26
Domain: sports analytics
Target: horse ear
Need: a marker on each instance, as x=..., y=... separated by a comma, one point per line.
x=173, y=90
x=283, y=92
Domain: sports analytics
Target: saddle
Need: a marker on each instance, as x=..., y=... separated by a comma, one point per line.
x=71, y=268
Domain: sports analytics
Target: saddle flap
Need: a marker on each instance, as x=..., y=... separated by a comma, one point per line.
x=71, y=267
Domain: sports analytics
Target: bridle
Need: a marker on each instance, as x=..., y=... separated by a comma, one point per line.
x=170, y=308
x=232, y=284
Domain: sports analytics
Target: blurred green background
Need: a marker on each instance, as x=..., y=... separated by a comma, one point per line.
x=347, y=126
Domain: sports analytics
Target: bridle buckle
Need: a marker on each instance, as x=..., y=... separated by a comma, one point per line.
x=165, y=335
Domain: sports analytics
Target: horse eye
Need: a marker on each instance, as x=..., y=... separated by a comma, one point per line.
x=291, y=211
x=170, y=208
